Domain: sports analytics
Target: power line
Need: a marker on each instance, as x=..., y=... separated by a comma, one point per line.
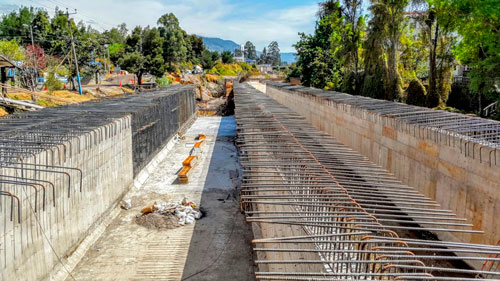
x=98, y=21
x=63, y=5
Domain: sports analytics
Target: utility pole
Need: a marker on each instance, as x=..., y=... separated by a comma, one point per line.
x=35, y=59
x=35, y=82
x=74, y=51
x=105, y=63
x=109, y=60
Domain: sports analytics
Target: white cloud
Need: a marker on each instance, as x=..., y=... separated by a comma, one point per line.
x=216, y=18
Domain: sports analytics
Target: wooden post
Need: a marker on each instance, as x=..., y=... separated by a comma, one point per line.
x=4, y=80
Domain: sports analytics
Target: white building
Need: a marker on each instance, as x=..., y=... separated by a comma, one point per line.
x=242, y=57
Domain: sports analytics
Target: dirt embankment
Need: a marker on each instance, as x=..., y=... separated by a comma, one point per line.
x=62, y=97
x=210, y=94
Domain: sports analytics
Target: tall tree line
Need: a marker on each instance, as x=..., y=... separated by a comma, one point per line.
x=401, y=43
x=154, y=50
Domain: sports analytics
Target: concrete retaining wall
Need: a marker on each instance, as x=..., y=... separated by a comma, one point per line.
x=104, y=157
x=461, y=175
x=83, y=177
x=158, y=122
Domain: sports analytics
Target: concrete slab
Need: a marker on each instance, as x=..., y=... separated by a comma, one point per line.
x=217, y=247
x=214, y=126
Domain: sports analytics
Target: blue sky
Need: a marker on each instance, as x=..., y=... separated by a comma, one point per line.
x=239, y=20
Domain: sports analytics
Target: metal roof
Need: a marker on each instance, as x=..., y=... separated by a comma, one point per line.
x=4, y=62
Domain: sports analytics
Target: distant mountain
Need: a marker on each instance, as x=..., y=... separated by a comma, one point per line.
x=220, y=45
x=288, y=57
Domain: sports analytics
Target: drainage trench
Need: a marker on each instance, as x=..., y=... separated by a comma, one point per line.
x=357, y=220
x=63, y=169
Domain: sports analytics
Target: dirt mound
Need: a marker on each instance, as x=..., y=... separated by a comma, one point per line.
x=192, y=79
x=70, y=96
x=157, y=221
x=212, y=78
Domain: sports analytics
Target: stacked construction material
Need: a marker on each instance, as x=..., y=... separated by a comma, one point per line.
x=192, y=160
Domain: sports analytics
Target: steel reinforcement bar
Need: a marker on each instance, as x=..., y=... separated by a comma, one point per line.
x=437, y=124
x=321, y=211
x=49, y=158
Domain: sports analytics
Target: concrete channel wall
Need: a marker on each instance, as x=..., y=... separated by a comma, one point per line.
x=154, y=124
x=459, y=173
x=104, y=157
x=76, y=182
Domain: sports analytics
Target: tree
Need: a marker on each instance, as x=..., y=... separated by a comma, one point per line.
x=415, y=93
x=479, y=28
x=196, y=47
x=385, y=27
x=263, y=57
x=153, y=52
x=273, y=52
x=35, y=57
x=250, y=52
x=144, y=53
x=12, y=50
x=317, y=57
x=116, y=35
x=413, y=55
x=133, y=62
x=227, y=57
x=209, y=59
x=17, y=22
x=237, y=53
x=437, y=29
x=354, y=28
x=116, y=51
x=60, y=29
x=42, y=31
x=174, y=44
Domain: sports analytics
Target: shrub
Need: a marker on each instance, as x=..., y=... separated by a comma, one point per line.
x=416, y=94
x=373, y=86
x=186, y=66
x=52, y=83
x=227, y=57
x=351, y=83
x=432, y=100
x=234, y=69
x=46, y=103
x=460, y=97
x=163, y=81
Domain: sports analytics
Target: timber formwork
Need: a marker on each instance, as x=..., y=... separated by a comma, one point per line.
x=321, y=211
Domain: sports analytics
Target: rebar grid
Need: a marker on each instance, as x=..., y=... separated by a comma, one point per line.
x=48, y=158
x=467, y=128
x=355, y=217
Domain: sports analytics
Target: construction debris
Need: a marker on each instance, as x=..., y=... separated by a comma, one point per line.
x=167, y=215
x=157, y=221
x=191, y=161
x=126, y=204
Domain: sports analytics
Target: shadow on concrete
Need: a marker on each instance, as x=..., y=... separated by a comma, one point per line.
x=221, y=247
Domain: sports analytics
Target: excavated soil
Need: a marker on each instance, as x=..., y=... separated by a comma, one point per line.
x=157, y=221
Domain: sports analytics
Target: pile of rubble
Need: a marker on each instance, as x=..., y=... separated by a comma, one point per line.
x=168, y=215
